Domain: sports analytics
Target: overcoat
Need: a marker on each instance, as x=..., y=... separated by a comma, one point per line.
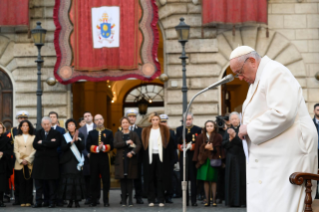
x=86, y=167
x=282, y=139
x=5, y=161
x=46, y=158
x=167, y=150
x=23, y=151
x=121, y=146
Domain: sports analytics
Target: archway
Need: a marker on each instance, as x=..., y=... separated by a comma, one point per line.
x=6, y=100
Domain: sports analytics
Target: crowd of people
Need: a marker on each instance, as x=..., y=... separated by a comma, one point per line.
x=73, y=164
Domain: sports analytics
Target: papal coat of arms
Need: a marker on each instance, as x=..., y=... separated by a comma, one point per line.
x=105, y=27
x=107, y=34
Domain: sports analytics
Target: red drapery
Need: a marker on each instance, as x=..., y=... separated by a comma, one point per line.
x=14, y=12
x=234, y=11
x=124, y=57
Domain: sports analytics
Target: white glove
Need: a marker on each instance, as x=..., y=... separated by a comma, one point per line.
x=189, y=146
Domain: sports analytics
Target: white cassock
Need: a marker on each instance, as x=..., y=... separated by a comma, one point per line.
x=282, y=139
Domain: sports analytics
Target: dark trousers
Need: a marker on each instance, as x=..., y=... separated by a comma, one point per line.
x=138, y=182
x=26, y=186
x=170, y=190
x=102, y=167
x=156, y=176
x=16, y=188
x=46, y=192
x=127, y=188
x=39, y=186
x=87, y=181
x=192, y=178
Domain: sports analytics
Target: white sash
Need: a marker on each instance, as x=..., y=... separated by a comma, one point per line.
x=75, y=151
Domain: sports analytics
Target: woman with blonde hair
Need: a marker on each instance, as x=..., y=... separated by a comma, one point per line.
x=157, y=156
x=24, y=153
x=5, y=160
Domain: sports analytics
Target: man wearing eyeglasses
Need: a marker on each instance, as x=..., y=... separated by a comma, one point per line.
x=279, y=131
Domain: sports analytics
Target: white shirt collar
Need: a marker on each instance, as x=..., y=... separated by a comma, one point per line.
x=54, y=127
x=317, y=120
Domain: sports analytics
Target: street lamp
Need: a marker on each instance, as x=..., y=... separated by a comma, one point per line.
x=183, y=36
x=38, y=35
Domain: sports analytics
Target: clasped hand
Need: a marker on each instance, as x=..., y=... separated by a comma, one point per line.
x=24, y=162
x=75, y=137
x=209, y=146
x=232, y=134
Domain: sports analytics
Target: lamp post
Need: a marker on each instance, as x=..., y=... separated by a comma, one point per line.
x=38, y=35
x=183, y=35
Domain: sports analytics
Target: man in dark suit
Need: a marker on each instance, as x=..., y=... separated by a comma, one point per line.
x=54, y=116
x=316, y=122
x=89, y=126
x=191, y=172
x=99, y=142
x=169, y=192
x=138, y=186
x=46, y=161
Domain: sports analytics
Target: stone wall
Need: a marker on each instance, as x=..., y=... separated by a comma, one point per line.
x=17, y=56
x=298, y=21
x=293, y=40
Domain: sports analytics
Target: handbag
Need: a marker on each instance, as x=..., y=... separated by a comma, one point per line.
x=215, y=162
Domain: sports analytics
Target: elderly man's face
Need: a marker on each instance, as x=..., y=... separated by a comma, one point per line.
x=46, y=125
x=234, y=120
x=246, y=69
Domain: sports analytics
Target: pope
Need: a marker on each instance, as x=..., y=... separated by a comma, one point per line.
x=278, y=129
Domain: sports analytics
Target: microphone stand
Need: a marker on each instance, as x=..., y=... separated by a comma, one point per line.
x=226, y=79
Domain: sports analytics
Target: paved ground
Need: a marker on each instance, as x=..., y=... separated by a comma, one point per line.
x=116, y=207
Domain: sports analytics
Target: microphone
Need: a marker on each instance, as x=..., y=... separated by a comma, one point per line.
x=225, y=80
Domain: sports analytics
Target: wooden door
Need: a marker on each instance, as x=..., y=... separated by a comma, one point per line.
x=6, y=100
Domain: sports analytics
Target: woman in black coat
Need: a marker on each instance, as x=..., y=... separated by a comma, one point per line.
x=72, y=186
x=235, y=182
x=128, y=145
x=6, y=151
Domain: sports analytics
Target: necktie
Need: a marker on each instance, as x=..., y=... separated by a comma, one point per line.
x=46, y=134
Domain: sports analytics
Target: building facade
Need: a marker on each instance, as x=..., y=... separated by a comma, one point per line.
x=293, y=40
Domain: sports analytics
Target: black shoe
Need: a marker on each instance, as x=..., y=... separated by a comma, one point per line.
x=52, y=206
x=92, y=204
x=139, y=201
x=77, y=205
x=2, y=205
x=64, y=202
x=98, y=202
x=87, y=202
x=70, y=204
x=106, y=205
x=60, y=204
x=194, y=204
x=16, y=203
x=6, y=198
x=45, y=205
x=36, y=205
x=156, y=201
x=168, y=200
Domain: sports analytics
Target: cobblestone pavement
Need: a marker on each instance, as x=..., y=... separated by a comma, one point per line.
x=116, y=207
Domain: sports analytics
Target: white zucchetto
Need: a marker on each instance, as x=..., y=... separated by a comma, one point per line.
x=240, y=51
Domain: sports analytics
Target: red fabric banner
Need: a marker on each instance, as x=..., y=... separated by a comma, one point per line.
x=234, y=11
x=125, y=56
x=14, y=12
